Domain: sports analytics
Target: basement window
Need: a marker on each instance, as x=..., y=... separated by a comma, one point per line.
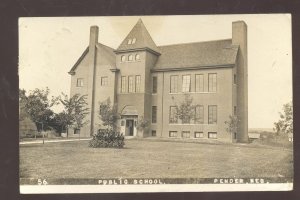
x=212, y=135
x=172, y=133
x=76, y=131
x=153, y=133
x=199, y=135
x=185, y=134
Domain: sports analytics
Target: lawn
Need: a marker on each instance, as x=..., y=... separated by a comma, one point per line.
x=154, y=159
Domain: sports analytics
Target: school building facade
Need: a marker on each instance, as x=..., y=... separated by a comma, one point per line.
x=149, y=81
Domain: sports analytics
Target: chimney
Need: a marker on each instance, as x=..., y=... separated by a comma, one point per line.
x=239, y=37
x=94, y=30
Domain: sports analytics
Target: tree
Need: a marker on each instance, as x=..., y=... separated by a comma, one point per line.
x=186, y=109
x=285, y=123
x=232, y=125
x=108, y=114
x=74, y=112
x=143, y=124
x=80, y=111
x=38, y=106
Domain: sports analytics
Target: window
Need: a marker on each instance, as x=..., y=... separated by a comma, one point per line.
x=122, y=123
x=186, y=83
x=129, y=41
x=199, y=115
x=154, y=114
x=123, y=58
x=130, y=57
x=185, y=134
x=154, y=85
x=76, y=131
x=104, y=81
x=133, y=40
x=212, y=82
x=172, y=133
x=212, y=135
x=234, y=135
x=199, y=83
x=153, y=133
x=123, y=84
x=80, y=82
x=199, y=135
x=137, y=83
x=173, y=84
x=101, y=110
x=234, y=110
x=130, y=84
x=173, y=119
x=234, y=79
x=137, y=57
x=212, y=114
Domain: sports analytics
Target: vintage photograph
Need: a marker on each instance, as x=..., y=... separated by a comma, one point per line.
x=185, y=103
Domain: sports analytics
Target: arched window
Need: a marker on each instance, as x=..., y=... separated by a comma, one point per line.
x=133, y=40
x=137, y=57
x=123, y=58
x=129, y=41
x=130, y=57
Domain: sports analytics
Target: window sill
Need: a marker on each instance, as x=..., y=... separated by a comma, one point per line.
x=191, y=124
x=130, y=61
x=194, y=93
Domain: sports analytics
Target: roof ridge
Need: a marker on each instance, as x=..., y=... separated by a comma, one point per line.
x=194, y=42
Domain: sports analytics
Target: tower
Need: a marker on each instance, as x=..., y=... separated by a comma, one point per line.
x=135, y=57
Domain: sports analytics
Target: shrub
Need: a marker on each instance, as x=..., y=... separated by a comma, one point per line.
x=107, y=138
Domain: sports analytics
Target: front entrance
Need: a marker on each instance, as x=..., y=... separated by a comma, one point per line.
x=128, y=122
x=129, y=127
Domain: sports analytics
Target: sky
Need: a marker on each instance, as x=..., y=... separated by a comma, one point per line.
x=50, y=46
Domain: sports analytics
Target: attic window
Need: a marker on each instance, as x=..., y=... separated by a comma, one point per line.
x=137, y=57
x=123, y=58
x=131, y=41
x=130, y=57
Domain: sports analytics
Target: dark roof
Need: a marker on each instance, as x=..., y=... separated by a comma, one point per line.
x=108, y=52
x=194, y=55
x=143, y=39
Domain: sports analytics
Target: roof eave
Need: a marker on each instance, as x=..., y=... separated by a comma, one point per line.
x=193, y=68
x=138, y=49
x=72, y=71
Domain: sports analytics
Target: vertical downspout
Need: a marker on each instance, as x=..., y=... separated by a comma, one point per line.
x=162, y=105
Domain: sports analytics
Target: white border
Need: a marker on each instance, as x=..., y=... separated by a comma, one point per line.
x=59, y=189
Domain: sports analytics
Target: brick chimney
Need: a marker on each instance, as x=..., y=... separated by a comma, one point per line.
x=92, y=56
x=239, y=37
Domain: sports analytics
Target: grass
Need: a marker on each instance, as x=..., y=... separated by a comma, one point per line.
x=153, y=159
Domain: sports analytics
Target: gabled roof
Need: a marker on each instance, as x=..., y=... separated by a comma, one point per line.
x=108, y=52
x=142, y=37
x=195, y=55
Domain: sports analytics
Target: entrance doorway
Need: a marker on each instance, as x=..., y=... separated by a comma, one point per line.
x=129, y=127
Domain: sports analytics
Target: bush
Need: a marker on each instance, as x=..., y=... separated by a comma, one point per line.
x=107, y=138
